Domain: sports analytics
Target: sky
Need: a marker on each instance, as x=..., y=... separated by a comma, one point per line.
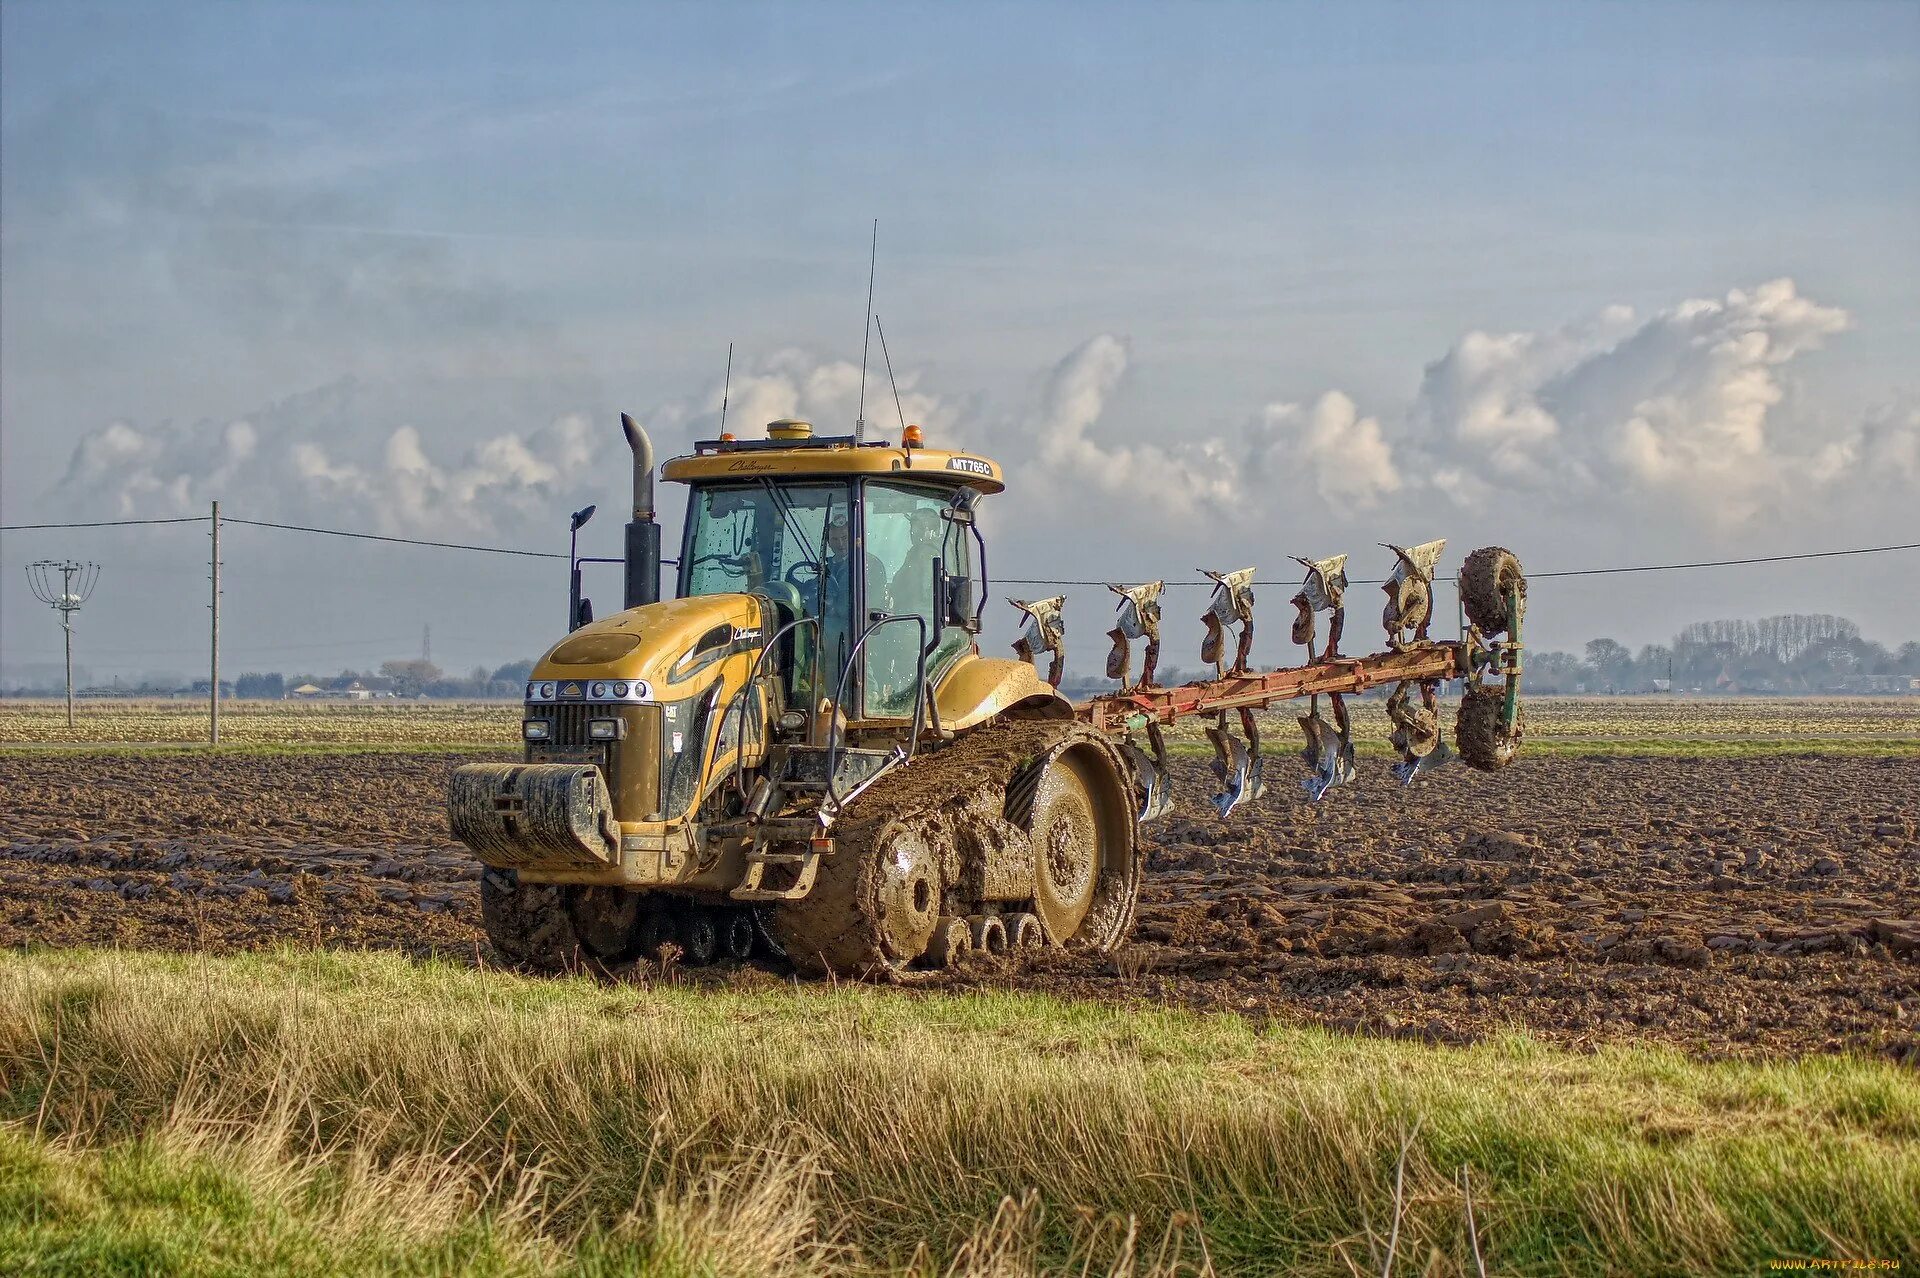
x=1220, y=284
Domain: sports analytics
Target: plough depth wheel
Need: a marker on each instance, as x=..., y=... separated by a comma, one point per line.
x=1486, y=579
x=1480, y=733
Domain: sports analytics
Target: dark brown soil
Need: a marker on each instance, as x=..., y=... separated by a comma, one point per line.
x=1760, y=906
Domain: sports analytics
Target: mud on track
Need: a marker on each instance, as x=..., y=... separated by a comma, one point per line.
x=1749, y=906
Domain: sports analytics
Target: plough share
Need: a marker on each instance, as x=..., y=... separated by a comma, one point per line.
x=1487, y=656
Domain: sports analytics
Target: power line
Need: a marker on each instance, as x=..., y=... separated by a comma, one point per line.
x=107, y=523
x=1007, y=581
x=1727, y=563
x=1534, y=576
x=403, y=541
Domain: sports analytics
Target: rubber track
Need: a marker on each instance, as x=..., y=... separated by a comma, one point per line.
x=831, y=929
x=528, y=923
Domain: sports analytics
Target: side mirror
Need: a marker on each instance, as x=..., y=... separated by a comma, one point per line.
x=585, y=614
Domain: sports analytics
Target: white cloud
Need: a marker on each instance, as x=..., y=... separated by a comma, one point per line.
x=1677, y=411
x=1678, y=407
x=393, y=484
x=1346, y=456
x=1065, y=439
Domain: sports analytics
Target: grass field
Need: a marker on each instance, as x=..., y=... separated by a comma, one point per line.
x=323, y=1114
x=1597, y=725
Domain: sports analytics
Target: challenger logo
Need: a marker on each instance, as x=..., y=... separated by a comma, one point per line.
x=972, y=465
x=742, y=636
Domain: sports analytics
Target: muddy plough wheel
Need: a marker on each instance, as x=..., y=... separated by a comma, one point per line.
x=1485, y=740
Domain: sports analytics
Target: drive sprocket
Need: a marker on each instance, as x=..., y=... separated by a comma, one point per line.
x=904, y=849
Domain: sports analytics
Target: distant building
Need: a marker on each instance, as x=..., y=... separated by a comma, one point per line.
x=306, y=691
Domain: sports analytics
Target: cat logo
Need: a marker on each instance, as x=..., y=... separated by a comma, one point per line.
x=972, y=465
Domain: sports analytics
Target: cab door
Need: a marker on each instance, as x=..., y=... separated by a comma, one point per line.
x=907, y=532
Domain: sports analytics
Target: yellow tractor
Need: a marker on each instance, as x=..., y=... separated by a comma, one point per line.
x=804, y=753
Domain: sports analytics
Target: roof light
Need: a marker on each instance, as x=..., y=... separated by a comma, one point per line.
x=913, y=437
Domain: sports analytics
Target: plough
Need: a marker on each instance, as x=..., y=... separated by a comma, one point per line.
x=1487, y=657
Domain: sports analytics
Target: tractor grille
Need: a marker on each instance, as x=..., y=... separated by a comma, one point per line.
x=631, y=766
x=569, y=742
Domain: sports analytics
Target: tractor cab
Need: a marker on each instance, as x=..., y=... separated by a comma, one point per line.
x=866, y=557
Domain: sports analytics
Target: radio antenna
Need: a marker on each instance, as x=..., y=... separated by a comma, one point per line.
x=866, y=337
x=890, y=381
x=725, y=388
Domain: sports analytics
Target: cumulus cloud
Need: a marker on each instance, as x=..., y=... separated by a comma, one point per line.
x=1678, y=406
x=1679, y=410
x=348, y=454
x=1065, y=437
x=1346, y=456
x=393, y=484
x=793, y=383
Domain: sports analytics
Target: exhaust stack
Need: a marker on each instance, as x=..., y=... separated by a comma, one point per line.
x=643, y=534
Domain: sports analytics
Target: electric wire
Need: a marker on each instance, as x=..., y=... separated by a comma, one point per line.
x=1006, y=581
x=403, y=541
x=1531, y=576
x=107, y=523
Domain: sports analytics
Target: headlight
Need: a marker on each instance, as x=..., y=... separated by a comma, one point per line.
x=598, y=690
x=536, y=729
x=603, y=729
x=619, y=689
x=546, y=691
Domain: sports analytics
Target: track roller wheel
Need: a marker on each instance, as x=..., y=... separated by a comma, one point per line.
x=607, y=921
x=952, y=941
x=1085, y=847
x=737, y=936
x=528, y=923
x=657, y=933
x=1483, y=741
x=1488, y=576
x=989, y=933
x=699, y=935
x=1024, y=931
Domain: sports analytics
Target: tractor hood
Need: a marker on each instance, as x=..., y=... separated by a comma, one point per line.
x=663, y=645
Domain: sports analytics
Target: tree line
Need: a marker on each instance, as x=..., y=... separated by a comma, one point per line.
x=1790, y=653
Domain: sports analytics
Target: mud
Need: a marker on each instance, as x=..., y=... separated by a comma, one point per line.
x=1723, y=906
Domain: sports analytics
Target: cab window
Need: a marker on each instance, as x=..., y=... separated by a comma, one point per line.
x=787, y=541
x=905, y=532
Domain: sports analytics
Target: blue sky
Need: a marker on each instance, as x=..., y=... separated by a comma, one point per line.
x=472, y=223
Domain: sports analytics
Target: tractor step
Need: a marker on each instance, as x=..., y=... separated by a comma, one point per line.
x=807, y=861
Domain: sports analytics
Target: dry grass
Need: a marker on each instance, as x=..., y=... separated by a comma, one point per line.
x=329, y=1113
x=1603, y=725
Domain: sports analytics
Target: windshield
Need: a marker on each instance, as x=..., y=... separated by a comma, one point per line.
x=784, y=540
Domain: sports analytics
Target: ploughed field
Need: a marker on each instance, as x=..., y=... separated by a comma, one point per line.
x=1744, y=905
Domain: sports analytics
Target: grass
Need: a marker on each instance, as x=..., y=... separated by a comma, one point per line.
x=330, y=1113
x=1671, y=727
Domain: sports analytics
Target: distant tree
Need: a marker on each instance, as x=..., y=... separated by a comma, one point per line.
x=512, y=672
x=264, y=687
x=410, y=678
x=1611, y=661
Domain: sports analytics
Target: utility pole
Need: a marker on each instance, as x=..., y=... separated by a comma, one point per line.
x=64, y=599
x=213, y=691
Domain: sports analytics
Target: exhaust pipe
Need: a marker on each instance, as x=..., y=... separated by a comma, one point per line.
x=643, y=534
